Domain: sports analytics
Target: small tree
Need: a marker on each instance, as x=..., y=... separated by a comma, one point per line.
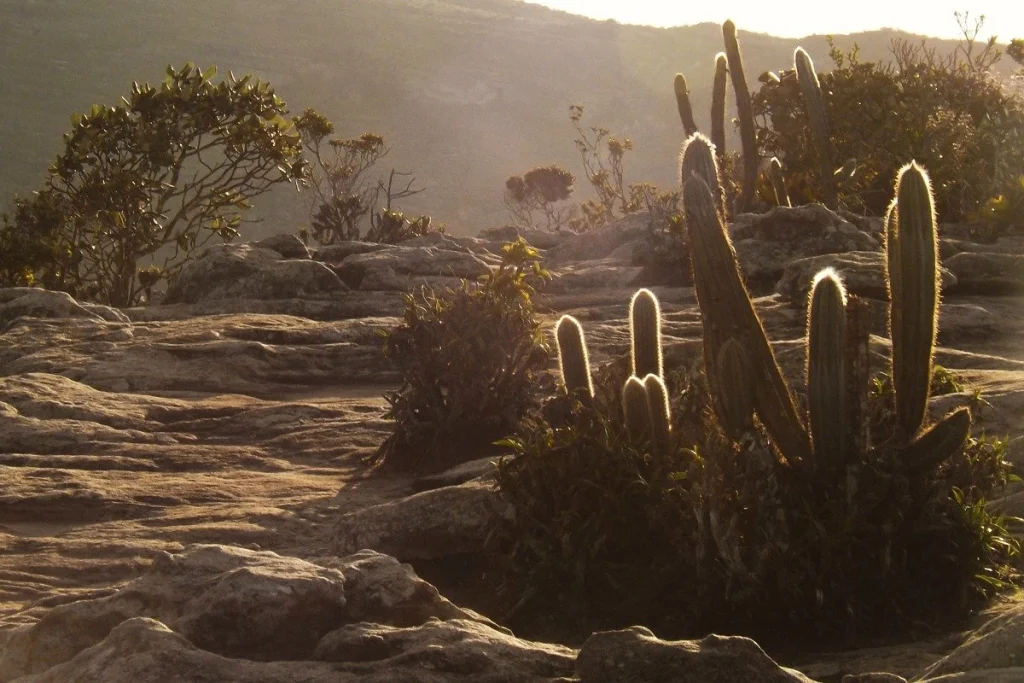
x=603, y=169
x=539, y=189
x=342, y=197
x=170, y=168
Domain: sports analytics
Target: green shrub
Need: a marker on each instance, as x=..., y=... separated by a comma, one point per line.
x=469, y=360
x=155, y=177
x=955, y=119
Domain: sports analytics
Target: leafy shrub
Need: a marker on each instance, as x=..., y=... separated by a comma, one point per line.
x=343, y=199
x=539, y=189
x=155, y=177
x=469, y=360
x=954, y=118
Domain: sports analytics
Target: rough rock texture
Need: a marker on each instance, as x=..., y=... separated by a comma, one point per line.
x=228, y=271
x=988, y=273
x=451, y=520
x=863, y=274
x=766, y=243
x=635, y=654
x=241, y=423
x=402, y=267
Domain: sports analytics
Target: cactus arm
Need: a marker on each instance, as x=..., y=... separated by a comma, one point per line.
x=635, y=410
x=778, y=183
x=814, y=102
x=745, y=113
x=826, y=369
x=939, y=443
x=659, y=413
x=645, y=333
x=718, y=105
x=573, y=361
x=683, y=104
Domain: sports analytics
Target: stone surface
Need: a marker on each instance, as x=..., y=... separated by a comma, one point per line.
x=451, y=520
x=635, y=655
x=998, y=644
x=401, y=267
x=228, y=271
x=863, y=274
x=19, y=302
x=285, y=244
x=988, y=273
x=766, y=243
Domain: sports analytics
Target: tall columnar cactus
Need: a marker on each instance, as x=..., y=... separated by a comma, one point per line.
x=683, y=103
x=718, y=105
x=912, y=273
x=778, y=183
x=659, y=413
x=573, y=361
x=698, y=158
x=826, y=369
x=745, y=113
x=727, y=312
x=635, y=409
x=814, y=102
x=645, y=333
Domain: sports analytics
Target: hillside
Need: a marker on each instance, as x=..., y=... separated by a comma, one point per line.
x=467, y=92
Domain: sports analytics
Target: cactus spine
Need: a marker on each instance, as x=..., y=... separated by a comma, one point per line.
x=912, y=275
x=778, y=183
x=645, y=333
x=635, y=410
x=718, y=105
x=573, y=361
x=826, y=368
x=683, y=103
x=814, y=102
x=659, y=413
x=727, y=312
x=745, y=112
x=698, y=159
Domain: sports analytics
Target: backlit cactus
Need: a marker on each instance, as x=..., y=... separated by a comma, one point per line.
x=731, y=392
x=745, y=113
x=573, y=361
x=645, y=333
x=937, y=444
x=635, y=410
x=826, y=368
x=814, y=102
x=698, y=158
x=659, y=413
x=912, y=273
x=718, y=105
x=683, y=104
x=727, y=312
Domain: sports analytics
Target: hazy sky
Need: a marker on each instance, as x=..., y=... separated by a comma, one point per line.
x=1005, y=18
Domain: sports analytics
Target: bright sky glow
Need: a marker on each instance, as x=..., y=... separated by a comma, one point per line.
x=1005, y=18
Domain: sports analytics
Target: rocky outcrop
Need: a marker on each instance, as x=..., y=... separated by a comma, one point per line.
x=233, y=271
x=988, y=273
x=26, y=302
x=863, y=274
x=400, y=268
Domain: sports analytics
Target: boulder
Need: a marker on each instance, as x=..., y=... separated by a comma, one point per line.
x=285, y=244
x=987, y=272
x=402, y=268
x=336, y=253
x=451, y=520
x=233, y=602
x=635, y=655
x=863, y=274
x=28, y=302
x=481, y=468
x=600, y=242
x=766, y=243
x=588, y=275
x=999, y=644
x=230, y=271
x=541, y=239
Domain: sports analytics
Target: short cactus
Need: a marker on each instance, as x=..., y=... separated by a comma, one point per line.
x=635, y=410
x=573, y=361
x=778, y=183
x=826, y=368
x=912, y=273
x=659, y=413
x=731, y=392
x=698, y=158
x=645, y=333
x=683, y=103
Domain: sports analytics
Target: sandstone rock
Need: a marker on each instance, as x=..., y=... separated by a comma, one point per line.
x=589, y=275
x=481, y=468
x=235, y=603
x=635, y=655
x=541, y=239
x=438, y=523
x=246, y=271
x=600, y=242
x=402, y=268
x=336, y=253
x=996, y=645
x=17, y=302
x=289, y=246
x=766, y=243
x=987, y=273
x=863, y=273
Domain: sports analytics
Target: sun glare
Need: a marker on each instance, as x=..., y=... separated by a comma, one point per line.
x=1002, y=17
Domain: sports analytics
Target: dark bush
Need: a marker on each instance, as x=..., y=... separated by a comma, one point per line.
x=469, y=360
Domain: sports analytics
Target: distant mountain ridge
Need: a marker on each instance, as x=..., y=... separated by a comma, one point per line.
x=466, y=92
